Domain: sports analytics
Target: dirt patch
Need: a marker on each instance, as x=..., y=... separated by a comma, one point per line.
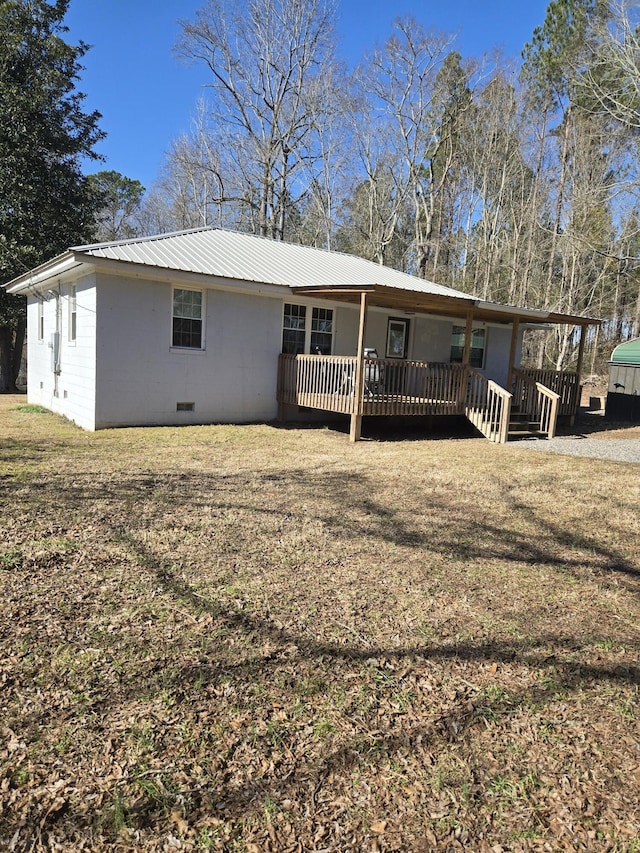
x=253, y=639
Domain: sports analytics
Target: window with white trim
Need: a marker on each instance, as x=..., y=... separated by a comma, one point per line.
x=294, y=328
x=478, y=344
x=300, y=336
x=321, y=331
x=187, y=319
x=73, y=313
x=40, y=320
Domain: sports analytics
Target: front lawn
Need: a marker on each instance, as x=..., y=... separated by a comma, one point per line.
x=260, y=639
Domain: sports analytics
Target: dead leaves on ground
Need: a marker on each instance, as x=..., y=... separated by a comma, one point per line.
x=210, y=658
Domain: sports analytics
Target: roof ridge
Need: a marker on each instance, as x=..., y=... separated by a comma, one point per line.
x=209, y=228
x=148, y=239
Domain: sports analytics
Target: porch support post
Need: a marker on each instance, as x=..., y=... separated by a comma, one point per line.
x=581, y=351
x=576, y=404
x=512, y=352
x=466, y=353
x=358, y=396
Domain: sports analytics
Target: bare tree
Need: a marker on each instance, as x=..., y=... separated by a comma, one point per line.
x=269, y=60
x=378, y=188
x=400, y=80
x=610, y=78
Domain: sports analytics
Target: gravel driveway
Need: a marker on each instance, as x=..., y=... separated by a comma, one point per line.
x=615, y=449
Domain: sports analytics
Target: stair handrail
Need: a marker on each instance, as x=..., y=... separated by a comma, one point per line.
x=538, y=401
x=488, y=406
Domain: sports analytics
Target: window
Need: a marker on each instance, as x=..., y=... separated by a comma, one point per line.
x=187, y=319
x=298, y=336
x=476, y=355
x=40, y=320
x=72, y=313
x=294, y=329
x=321, y=331
x=397, y=338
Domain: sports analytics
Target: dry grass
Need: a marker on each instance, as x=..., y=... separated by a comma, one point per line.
x=253, y=639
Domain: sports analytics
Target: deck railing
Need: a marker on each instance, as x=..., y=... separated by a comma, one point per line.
x=565, y=385
x=488, y=406
x=391, y=386
x=538, y=402
x=401, y=387
x=317, y=382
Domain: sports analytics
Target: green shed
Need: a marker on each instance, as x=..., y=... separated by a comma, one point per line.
x=627, y=353
x=623, y=397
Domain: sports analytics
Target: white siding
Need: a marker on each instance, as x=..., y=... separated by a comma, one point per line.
x=141, y=378
x=498, y=344
x=122, y=370
x=72, y=392
x=347, y=320
x=39, y=372
x=432, y=339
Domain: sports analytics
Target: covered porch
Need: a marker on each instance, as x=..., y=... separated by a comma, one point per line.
x=361, y=386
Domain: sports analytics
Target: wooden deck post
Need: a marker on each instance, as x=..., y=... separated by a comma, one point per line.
x=466, y=353
x=358, y=391
x=581, y=351
x=512, y=352
x=280, y=389
x=576, y=405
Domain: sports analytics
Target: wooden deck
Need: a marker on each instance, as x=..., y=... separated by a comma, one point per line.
x=391, y=387
x=395, y=387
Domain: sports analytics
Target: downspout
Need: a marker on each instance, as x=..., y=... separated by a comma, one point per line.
x=56, y=342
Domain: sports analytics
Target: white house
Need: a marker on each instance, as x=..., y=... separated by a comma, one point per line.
x=190, y=328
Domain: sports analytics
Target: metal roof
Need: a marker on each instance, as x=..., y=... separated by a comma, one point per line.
x=627, y=352
x=245, y=257
x=239, y=257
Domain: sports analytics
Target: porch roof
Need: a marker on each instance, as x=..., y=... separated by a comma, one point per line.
x=458, y=305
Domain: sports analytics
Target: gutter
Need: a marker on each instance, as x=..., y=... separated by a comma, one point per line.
x=50, y=269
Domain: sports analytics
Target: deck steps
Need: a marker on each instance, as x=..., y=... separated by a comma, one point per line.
x=521, y=426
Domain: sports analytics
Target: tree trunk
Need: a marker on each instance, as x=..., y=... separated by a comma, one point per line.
x=18, y=344
x=7, y=360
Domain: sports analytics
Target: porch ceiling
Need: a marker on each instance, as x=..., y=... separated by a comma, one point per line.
x=396, y=299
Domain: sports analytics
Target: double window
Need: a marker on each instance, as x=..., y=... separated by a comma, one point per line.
x=303, y=333
x=476, y=353
x=188, y=316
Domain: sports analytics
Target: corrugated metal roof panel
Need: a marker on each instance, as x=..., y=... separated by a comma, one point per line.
x=245, y=257
x=627, y=353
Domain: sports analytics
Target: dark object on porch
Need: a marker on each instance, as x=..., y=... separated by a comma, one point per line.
x=373, y=373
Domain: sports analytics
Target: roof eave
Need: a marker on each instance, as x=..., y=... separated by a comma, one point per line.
x=402, y=299
x=31, y=280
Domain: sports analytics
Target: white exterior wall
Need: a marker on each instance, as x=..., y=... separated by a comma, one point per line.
x=498, y=344
x=345, y=338
x=141, y=378
x=72, y=392
x=122, y=370
x=429, y=339
x=432, y=339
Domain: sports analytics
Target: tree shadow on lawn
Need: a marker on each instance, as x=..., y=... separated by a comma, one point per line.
x=347, y=507
x=443, y=522
x=469, y=709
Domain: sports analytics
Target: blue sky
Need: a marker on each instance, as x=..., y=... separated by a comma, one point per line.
x=147, y=97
